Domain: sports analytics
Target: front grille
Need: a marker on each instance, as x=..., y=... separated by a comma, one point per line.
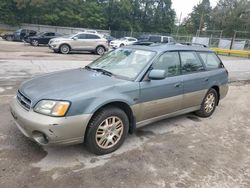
x=24, y=101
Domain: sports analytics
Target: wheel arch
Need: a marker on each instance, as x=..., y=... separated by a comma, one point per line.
x=100, y=45
x=65, y=44
x=123, y=106
x=217, y=89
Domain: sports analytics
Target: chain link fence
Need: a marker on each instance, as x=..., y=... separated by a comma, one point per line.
x=214, y=39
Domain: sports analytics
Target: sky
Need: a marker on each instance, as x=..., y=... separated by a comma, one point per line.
x=186, y=6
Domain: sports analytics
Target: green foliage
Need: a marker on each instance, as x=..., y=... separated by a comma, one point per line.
x=129, y=15
x=227, y=15
x=230, y=15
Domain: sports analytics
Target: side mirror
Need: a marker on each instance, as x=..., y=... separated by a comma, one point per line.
x=157, y=74
x=74, y=38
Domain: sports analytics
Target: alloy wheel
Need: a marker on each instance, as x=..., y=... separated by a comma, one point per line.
x=209, y=103
x=109, y=132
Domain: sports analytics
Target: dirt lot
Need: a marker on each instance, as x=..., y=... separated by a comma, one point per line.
x=184, y=151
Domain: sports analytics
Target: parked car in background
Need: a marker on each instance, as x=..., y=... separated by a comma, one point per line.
x=19, y=35
x=150, y=39
x=109, y=38
x=83, y=41
x=41, y=38
x=126, y=88
x=122, y=42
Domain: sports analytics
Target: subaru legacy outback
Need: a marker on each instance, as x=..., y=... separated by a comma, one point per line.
x=124, y=89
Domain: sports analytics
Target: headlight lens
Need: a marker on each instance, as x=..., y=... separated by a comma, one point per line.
x=52, y=108
x=55, y=41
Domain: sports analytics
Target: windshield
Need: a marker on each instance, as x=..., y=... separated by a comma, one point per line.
x=122, y=62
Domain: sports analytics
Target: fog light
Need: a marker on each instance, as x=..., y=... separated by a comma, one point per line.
x=40, y=137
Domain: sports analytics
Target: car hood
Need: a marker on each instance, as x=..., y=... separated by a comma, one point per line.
x=65, y=84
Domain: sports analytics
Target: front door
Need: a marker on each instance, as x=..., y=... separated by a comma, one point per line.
x=160, y=97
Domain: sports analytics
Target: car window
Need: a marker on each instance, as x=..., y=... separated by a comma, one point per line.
x=210, y=60
x=124, y=62
x=155, y=39
x=131, y=39
x=81, y=36
x=50, y=34
x=171, y=39
x=90, y=36
x=190, y=62
x=169, y=62
x=165, y=39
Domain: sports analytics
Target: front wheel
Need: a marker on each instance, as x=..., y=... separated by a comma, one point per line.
x=9, y=38
x=209, y=104
x=64, y=49
x=107, y=130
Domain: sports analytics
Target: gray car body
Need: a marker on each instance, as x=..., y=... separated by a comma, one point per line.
x=144, y=100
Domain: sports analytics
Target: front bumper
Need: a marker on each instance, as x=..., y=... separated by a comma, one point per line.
x=46, y=130
x=54, y=46
x=115, y=45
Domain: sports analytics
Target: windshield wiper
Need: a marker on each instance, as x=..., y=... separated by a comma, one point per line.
x=103, y=71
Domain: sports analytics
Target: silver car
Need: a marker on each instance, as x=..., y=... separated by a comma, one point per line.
x=122, y=90
x=84, y=41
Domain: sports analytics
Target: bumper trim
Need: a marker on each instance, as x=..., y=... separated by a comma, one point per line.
x=58, y=130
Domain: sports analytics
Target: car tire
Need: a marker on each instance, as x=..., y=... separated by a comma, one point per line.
x=64, y=49
x=34, y=43
x=9, y=38
x=209, y=104
x=107, y=130
x=121, y=45
x=100, y=50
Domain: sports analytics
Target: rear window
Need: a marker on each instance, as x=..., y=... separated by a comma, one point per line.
x=155, y=39
x=190, y=62
x=210, y=60
x=89, y=36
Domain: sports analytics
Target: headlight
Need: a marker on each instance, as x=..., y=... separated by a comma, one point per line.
x=55, y=41
x=52, y=108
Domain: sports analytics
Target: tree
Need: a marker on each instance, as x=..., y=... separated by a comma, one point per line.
x=230, y=15
x=199, y=19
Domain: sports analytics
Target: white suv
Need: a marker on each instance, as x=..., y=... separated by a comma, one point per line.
x=83, y=41
x=122, y=42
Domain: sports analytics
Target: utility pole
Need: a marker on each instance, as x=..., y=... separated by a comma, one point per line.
x=177, y=32
x=201, y=20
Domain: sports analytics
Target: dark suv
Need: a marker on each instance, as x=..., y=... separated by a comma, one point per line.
x=19, y=35
x=150, y=39
x=41, y=38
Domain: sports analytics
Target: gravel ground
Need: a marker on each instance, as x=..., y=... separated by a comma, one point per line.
x=185, y=151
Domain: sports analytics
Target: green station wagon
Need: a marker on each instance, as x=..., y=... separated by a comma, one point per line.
x=124, y=89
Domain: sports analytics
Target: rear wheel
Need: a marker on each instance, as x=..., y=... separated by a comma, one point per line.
x=64, y=49
x=107, y=130
x=100, y=50
x=34, y=43
x=209, y=104
x=9, y=38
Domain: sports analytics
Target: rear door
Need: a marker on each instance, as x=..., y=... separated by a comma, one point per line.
x=47, y=37
x=92, y=41
x=79, y=42
x=195, y=79
x=160, y=97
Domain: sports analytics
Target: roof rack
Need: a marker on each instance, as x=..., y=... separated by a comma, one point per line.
x=193, y=44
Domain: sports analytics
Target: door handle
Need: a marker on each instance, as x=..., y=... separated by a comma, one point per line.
x=206, y=79
x=177, y=85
